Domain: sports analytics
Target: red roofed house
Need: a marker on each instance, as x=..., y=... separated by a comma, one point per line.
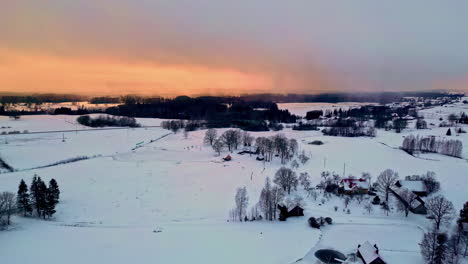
x=369, y=254
x=227, y=158
x=355, y=186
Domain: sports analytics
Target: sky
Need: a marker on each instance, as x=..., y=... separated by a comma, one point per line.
x=221, y=47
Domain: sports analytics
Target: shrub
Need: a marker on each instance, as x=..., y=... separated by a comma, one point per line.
x=328, y=220
x=376, y=200
x=313, y=223
x=316, y=142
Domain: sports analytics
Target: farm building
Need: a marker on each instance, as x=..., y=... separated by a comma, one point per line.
x=355, y=186
x=417, y=187
x=417, y=206
x=369, y=254
x=227, y=158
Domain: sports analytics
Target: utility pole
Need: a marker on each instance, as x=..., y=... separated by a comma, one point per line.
x=344, y=170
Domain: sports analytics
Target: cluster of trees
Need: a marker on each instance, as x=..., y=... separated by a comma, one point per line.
x=273, y=193
x=353, y=131
x=463, y=118
x=216, y=111
x=39, y=197
x=105, y=120
x=305, y=127
x=440, y=247
x=421, y=123
x=429, y=179
x=413, y=144
x=230, y=139
x=186, y=125
x=69, y=111
x=279, y=145
x=267, y=147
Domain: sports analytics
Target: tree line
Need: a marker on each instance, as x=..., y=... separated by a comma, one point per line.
x=105, y=121
x=450, y=147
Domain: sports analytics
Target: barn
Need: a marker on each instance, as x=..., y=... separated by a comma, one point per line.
x=369, y=254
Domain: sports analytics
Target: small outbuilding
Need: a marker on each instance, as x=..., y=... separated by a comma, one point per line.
x=369, y=254
x=227, y=158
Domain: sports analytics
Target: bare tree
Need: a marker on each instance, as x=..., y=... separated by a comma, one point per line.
x=231, y=138
x=247, y=139
x=277, y=195
x=286, y=179
x=304, y=180
x=210, y=136
x=369, y=208
x=346, y=201
x=7, y=206
x=303, y=158
x=440, y=210
x=428, y=246
x=386, y=180
x=218, y=146
x=293, y=146
x=359, y=198
x=266, y=201
x=294, y=164
x=242, y=201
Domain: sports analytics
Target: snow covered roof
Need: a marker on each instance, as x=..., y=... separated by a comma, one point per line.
x=350, y=184
x=415, y=186
x=368, y=252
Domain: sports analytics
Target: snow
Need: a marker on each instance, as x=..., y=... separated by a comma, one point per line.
x=415, y=186
x=168, y=201
x=368, y=252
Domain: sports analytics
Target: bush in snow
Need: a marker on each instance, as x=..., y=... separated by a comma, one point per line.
x=328, y=220
x=313, y=223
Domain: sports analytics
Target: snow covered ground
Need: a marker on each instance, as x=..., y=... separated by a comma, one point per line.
x=112, y=205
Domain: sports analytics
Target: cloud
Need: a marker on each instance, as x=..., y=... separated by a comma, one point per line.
x=291, y=46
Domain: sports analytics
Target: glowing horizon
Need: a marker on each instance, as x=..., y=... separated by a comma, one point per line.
x=211, y=47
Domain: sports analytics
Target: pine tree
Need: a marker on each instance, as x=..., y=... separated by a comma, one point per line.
x=23, y=201
x=38, y=195
x=440, y=253
x=35, y=193
x=49, y=203
x=54, y=189
x=449, y=132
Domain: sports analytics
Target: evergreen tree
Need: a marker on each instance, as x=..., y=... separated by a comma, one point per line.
x=54, y=189
x=38, y=195
x=449, y=132
x=49, y=203
x=464, y=213
x=42, y=198
x=23, y=201
x=440, y=253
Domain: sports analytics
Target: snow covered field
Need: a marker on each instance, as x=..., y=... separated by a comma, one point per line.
x=112, y=205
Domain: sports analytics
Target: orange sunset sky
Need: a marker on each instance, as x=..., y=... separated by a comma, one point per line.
x=213, y=47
